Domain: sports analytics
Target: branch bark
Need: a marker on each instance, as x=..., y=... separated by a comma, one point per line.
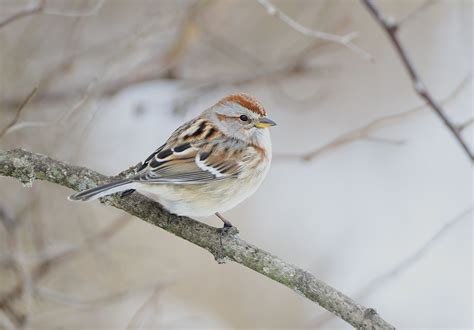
x=391, y=29
x=27, y=167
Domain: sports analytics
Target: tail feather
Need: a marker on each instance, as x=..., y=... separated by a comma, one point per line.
x=101, y=191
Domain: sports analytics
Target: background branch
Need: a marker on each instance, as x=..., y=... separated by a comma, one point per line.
x=27, y=167
x=30, y=276
x=24, y=13
x=345, y=40
x=15, y=119
x=391, y=29
x=410, y=260
x=365, y=131
x=381, y=280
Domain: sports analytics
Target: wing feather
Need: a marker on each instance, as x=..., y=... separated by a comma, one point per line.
x=190, y=157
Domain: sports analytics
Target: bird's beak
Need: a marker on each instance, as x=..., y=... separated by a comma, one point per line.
x=265, y=122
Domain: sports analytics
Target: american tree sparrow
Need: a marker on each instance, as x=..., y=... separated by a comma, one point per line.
x=208, y=165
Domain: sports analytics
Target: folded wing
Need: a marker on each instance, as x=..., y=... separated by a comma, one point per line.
x=191, y=157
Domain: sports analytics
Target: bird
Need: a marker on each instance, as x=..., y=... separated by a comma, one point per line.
x=208, y=165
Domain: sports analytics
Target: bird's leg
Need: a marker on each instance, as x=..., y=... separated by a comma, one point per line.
x=226, y=222
x=225, y=228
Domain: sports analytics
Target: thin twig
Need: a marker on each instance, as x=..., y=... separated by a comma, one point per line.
x=416, y=12
x=97, y=6
x=18, y=112
x=465, y=125
x=142, y=73
x=43, y=267
x=134, y=322
x=366, y=130
x=24, y=13
x=297, y=65
x=90, y=242
x=6, y=219
x=382, y=140
x=6, y=323
x=403, y=265
x=69, y=301
x=13, y=316
x=379, y=281
x=17, y=264
x=25, y=124
x=26, y=167
x=345, y=40
x=94, y=304
x=391, y=29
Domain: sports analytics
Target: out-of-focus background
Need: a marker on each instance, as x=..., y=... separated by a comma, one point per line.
x=368, y=190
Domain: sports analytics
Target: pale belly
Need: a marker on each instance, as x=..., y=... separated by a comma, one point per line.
x=203, y=199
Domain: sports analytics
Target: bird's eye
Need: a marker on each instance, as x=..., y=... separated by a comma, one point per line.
x=244, y=118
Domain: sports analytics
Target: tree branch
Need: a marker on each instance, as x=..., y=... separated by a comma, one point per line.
x=27, y=167
x=345, y=40
x=391, y=29
x=366, y=130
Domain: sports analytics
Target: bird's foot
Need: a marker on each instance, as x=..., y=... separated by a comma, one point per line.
x=226, y=229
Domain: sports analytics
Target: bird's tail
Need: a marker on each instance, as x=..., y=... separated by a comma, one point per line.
x=101, y=191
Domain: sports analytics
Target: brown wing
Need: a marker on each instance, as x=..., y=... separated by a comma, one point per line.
x=196, y=153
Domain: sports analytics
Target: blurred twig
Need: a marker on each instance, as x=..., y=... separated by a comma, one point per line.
x=18, y=265
x=416, y=12
x=365, y=131
x=45, y=264
x=158, y=66
x=94, y=304
x=345, y=40
x=97, y=5
x=465, y=125
x=6, y=219
x=138, y=315
x=24, y=13
x=164, y=66
x=296, y=65
x=391, y=30
x=18, y=112
x=41, y=7
x=379, y=281
x=48, y=257
x=187, y=34
x=69, y=301
x=26, y=167
x=5, y=323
